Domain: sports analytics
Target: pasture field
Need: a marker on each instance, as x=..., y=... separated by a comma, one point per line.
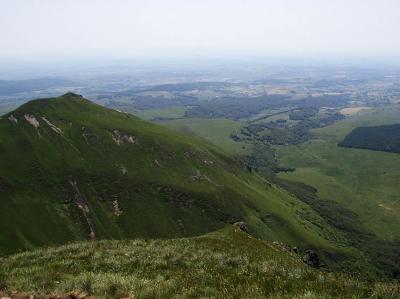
x=170, y=112
x=363, y=181
x=215, y=131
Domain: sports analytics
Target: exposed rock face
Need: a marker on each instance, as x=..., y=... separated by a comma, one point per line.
x=116, y=209
x=52, y=126
x=311, y=258
x=120, y=138
x=242, y=225
x=81, y=202
x=12, y=119
x=32, y=120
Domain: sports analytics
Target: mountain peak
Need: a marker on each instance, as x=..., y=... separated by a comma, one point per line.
x=71, y=94
x=68, y=101
x=95, y=171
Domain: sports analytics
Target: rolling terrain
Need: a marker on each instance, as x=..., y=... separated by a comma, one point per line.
x=73, y=170
x=363, y=182
x=157, y=207
x=354, y=190
x=215, y=131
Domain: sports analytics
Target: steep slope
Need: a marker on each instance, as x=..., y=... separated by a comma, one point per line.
x=73, y=170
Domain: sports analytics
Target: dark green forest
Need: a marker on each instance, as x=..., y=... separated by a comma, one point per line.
x=380, y=138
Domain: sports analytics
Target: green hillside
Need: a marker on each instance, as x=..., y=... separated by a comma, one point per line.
x=73, y=170
x=362, y=182
x=216, y=131
x=225, y=264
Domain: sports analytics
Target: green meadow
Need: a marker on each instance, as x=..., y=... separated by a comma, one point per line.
x=215, y=131
x=364, y=181
x=169, y=112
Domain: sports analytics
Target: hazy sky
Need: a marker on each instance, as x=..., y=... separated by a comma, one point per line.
x=33, y=28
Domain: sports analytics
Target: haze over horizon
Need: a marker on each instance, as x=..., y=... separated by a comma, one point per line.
x=44, y=29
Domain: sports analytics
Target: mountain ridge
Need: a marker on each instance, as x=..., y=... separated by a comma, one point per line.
x=72, y=170
x=228, y=263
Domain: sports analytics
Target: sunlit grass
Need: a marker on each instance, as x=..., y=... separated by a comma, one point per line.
x=225, y=264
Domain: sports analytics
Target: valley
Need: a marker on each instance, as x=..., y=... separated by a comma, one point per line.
x=199, y=149
x=97, y=173
x=358, y=179
x=180, y=161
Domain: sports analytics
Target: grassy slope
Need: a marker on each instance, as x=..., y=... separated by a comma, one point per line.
x=170, y=112
x=216, y=131
x=361, y=180
x=157, y=195
x=344, y=220
x=223, y=264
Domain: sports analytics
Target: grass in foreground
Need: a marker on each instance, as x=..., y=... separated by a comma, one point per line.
x=225, y=264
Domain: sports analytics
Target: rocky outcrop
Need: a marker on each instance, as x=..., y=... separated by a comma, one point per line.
x=116, y=209
x=81, y=203
x=52, y=126
x=31, y=119
x=12, y=119
x=311, y=258
x=120, y=138
x=242, y=225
